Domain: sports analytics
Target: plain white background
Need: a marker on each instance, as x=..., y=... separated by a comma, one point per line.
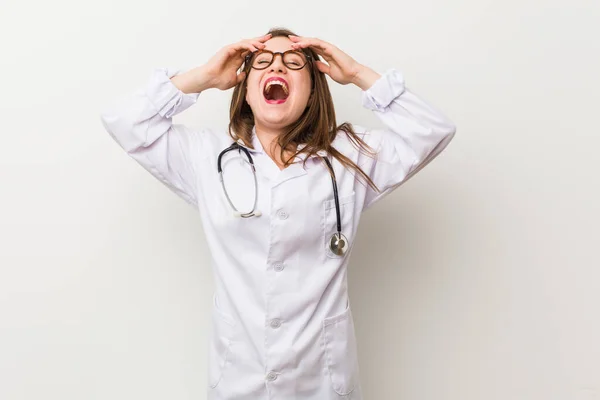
x=477, y=279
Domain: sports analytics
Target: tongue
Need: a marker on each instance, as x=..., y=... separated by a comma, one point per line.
x=276, y=93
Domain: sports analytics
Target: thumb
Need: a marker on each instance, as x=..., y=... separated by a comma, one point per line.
x=321, y=66
x=241, y=77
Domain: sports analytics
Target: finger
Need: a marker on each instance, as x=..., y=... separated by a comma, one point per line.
x=259, y=45
x=264, y=38
x=319, y=48
x=251, y=46
x=240, y=47
x=243, y=46
x=304, y=45
x=323, y=54
x=313, y=42
x=321, y=66
x=240, y=77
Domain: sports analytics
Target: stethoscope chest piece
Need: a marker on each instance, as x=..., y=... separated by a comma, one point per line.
x=338, y=244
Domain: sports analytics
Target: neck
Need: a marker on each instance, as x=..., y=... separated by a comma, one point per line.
x=268, y=137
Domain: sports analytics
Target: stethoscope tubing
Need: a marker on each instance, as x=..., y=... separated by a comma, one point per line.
x=340, y=238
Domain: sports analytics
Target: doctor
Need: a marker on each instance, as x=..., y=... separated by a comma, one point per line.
x=280, y=195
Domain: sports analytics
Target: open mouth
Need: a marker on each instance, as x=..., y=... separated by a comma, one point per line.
x=276, y=91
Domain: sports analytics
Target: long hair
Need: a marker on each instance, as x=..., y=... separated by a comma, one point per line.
x=316, y=127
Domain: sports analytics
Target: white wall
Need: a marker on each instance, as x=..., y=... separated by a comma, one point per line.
x=477, y=279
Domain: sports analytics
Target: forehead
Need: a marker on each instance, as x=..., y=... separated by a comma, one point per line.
x=279, y=43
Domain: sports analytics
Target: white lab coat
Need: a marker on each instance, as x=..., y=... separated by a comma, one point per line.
x=282, y=325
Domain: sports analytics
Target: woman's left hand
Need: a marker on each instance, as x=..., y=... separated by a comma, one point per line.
x=342, y=68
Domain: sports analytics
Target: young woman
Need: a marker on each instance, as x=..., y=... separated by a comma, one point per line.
x=280, y=195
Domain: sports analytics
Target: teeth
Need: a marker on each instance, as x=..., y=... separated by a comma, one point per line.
x=276, y=82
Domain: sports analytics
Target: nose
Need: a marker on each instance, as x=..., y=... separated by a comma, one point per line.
x=277, y=63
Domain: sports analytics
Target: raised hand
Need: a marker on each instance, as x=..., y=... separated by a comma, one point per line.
x=340, y=66
x=223, y=67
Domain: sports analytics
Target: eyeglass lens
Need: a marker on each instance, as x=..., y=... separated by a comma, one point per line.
x=292, y=59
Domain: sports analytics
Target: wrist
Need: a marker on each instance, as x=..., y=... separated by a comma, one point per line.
x=196, y=80
x=365, y=77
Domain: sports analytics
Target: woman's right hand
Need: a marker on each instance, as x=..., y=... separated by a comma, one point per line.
x=223, y=67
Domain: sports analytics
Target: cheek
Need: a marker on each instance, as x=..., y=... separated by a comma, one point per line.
x=306, y=87
x=305, y=91
x=252, y=90
x=250, y=97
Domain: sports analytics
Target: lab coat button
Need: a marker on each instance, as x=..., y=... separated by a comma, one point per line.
x=282, y=214
x=278, y=267
x=271, y=376
x=275, y=323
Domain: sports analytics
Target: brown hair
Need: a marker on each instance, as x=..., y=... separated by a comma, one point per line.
x=316, y=127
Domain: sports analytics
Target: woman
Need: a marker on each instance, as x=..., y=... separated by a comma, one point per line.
x=280, y=237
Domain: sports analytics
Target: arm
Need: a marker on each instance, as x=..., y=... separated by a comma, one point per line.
x=416, y=132
x=141, y=123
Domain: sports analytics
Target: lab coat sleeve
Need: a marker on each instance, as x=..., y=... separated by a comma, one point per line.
x=141, y=123
x=416, y=132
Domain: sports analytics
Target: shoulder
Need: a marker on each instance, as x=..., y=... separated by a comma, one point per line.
x=210, y=141
x=218, y=138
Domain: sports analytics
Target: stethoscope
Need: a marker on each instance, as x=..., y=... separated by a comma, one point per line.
x=338, y=243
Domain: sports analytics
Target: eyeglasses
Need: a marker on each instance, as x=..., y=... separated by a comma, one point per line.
x=292, y=59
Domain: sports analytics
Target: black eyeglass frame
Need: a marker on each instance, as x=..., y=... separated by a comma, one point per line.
x=250, y=57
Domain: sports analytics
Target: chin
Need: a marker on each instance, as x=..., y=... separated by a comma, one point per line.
x=277, y=118
x=274, y=122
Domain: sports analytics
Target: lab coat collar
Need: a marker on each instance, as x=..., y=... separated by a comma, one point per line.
x=258, y=148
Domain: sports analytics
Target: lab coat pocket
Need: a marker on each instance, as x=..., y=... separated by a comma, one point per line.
x=223, y=328
x=346, y=203
x=340, y=351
